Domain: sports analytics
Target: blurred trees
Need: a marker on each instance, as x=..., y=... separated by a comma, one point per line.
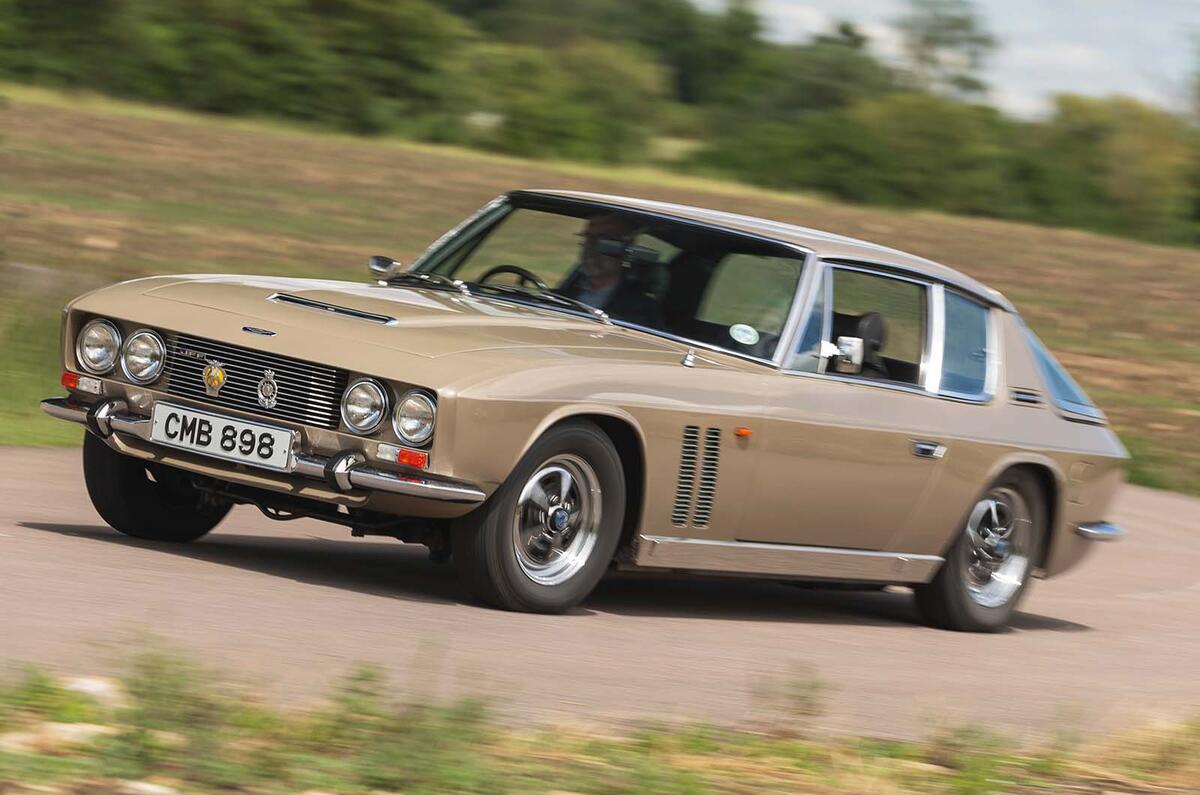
x=608, y=79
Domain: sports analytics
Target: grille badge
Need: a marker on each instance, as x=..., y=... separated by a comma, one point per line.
x=214, y=378
x=267, y=390
x=262, y=332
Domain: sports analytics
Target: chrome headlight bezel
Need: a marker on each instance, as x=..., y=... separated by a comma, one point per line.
x=162, y=356
x=424, y=399
x=379, y=392
x=82, y=360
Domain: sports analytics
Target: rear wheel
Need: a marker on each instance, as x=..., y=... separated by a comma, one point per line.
x=546, y=537
x=147, y=500
x=988, y=567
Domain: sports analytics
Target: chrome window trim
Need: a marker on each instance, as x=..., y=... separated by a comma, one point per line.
x=800, y=299
x=935, y=341
x=827, y=323
x=991, y=375
x=933, y=350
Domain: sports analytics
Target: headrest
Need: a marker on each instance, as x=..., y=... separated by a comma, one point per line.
x=873, y=331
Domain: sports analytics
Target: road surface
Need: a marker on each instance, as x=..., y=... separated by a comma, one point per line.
x=288, y=607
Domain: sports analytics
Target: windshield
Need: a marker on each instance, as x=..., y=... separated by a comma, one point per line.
x=716, y=288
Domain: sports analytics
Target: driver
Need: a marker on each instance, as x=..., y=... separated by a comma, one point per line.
x=600, y=280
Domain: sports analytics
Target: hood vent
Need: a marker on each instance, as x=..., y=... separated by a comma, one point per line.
x=344, y=311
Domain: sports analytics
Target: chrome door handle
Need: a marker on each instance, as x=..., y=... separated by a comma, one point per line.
x=922, y=449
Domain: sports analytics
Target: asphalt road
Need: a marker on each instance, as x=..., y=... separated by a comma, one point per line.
x=288, y=607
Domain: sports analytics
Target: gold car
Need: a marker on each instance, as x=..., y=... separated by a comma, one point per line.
x=568, y=382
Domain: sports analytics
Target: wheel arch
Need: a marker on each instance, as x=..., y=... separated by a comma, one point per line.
x=1050, y=480
x=626, y=435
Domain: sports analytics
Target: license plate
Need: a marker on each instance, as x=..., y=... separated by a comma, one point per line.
x=222, y=437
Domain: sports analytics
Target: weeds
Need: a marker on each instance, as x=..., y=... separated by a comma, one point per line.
x=182, y=723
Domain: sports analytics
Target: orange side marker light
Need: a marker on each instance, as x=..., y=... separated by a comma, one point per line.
x=743, y=433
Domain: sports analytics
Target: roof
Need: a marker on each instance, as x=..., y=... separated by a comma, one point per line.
x=825, y=245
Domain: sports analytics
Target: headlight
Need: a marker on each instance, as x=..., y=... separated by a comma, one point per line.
x=414, y=417
x=143, y=356
x=364, y=406
x=97, y=346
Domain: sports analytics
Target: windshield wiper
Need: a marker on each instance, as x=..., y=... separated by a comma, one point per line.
x=431, y=280
x=547, y=296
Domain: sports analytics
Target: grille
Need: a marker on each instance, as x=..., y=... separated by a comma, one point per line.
x=708, y=477
x=687, y=475
x=307, y=393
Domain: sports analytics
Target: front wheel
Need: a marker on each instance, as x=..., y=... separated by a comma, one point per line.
x=545, y=538
x=988, y=567
x=147, y=500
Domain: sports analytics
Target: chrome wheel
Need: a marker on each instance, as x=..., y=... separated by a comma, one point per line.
x=557, y=518
x=999, y=539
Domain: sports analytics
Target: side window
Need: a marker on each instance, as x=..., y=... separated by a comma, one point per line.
x=965, y=356
x=1066, y=393
x=751, y=295
x=889, y=315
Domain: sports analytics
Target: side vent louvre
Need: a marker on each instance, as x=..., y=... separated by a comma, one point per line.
x=691, y=466
x=1027, y=397
x=708, y=477
x=687, y=476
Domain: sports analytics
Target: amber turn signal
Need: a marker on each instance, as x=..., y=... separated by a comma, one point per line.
x=743, y=433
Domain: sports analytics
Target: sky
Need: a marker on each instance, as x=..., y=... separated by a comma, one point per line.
x=1142, y=48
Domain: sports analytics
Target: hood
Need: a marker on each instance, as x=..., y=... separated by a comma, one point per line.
x=427, y=323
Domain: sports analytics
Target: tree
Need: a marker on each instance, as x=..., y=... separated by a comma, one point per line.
x=947, y=44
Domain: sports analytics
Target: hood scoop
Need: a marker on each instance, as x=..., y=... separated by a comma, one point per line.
x=345, y=311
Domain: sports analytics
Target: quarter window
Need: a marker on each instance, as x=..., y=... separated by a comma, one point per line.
x=888, y=315
x=1067, y=394
x=965, y=354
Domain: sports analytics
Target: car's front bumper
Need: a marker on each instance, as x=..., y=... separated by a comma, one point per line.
x=342, y=473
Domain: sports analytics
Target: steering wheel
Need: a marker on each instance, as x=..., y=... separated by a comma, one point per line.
x=525, y=276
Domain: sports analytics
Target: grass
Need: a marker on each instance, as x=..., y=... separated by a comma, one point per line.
x=180, y=725
x=93, y=190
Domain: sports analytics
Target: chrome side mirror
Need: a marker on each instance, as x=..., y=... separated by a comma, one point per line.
x=382, y=267
x=849, y=357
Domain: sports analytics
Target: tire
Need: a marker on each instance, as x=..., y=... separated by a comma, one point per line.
x=165, y=508
x=960, y=597
x=506, y=549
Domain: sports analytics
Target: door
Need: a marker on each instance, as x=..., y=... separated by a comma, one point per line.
x=849, y=457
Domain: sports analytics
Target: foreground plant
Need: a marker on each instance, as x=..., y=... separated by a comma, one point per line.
x=178, y=727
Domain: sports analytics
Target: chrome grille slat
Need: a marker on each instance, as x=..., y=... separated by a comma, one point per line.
x=708, y=477
x=253, y=360
x=687, y=475
x=308, y=393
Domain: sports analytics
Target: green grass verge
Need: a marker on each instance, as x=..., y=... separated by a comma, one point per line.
x=178, y=724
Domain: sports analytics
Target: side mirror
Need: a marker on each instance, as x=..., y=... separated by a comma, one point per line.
x=849, y=357
x=382, y=267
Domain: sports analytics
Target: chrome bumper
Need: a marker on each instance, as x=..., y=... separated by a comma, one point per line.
x=343, y=472
x=1100, y=531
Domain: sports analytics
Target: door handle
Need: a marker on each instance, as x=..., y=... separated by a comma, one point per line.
x=924, y=449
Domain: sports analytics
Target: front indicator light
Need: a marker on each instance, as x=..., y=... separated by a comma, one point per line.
x=417, y=459
x=80, y=383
